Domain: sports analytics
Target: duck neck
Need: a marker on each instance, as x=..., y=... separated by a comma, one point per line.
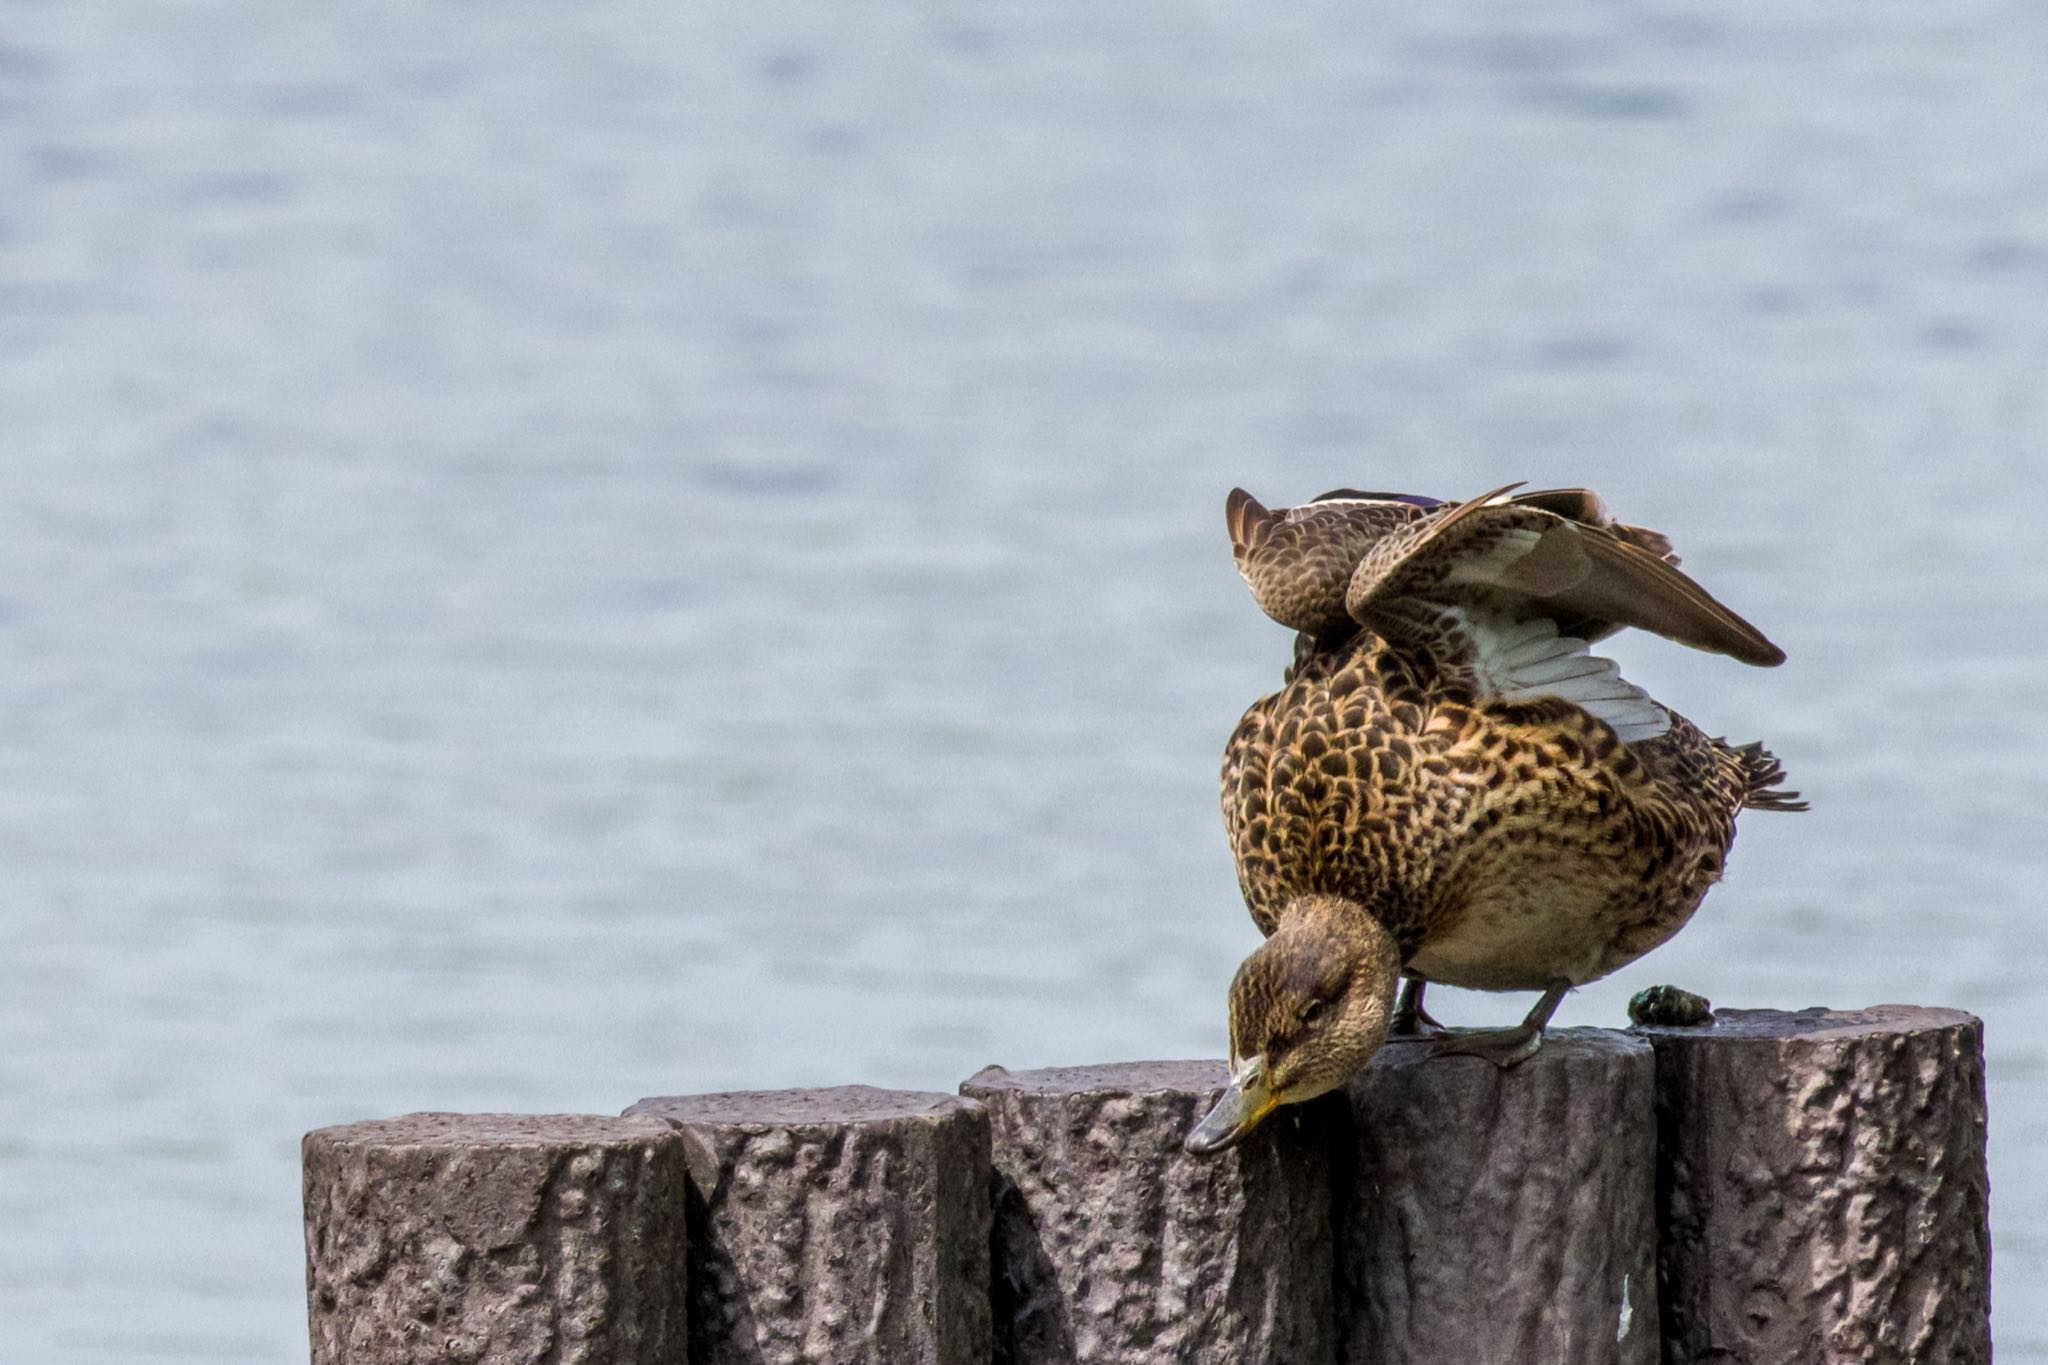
x=1345, y=928
x=1351, y=922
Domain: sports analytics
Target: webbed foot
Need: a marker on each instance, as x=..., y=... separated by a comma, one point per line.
x=1509, y=1046
x=1504, y=1047
x=1668, y=1005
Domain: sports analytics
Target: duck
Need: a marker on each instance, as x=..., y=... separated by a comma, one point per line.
x=1450, y=786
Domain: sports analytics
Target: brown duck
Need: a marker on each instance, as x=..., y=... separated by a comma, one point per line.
x=1450, y=785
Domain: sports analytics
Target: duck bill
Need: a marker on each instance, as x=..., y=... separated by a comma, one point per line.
x=1238, y=1112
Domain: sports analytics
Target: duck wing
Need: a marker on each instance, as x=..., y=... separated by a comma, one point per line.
x=1585, y=506
x=1298, y=561
x=1506, y=594
x=1519, y=552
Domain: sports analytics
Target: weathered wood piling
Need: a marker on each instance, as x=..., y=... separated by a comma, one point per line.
x=495, y=1238
x=1508, y=1216
x=1112, y=1243
x=846, y=1225
x=1767, y=1188
x=1821, y=1187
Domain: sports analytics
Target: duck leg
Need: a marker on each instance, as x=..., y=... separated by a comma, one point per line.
x=1505, y=1047
x=1410, y=1019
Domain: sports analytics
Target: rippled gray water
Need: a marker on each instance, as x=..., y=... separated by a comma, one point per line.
x=550, y=554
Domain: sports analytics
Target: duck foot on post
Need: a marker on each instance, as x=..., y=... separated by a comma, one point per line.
x=1509, y=1046
x=1410, y=1019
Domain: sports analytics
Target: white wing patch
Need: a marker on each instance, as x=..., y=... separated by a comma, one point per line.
x=1525, y=660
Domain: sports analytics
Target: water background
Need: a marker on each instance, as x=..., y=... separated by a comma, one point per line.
x=551, y=554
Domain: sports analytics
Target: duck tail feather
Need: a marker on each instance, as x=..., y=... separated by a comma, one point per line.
x=1762, y=775
x=1249, y=521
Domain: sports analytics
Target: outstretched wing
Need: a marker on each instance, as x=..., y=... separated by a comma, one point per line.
x=1299, y=561
x=1584, y=505
x=1508, y=593
x=1553, y=565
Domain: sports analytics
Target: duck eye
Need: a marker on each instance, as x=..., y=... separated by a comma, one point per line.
x=1312, y=1011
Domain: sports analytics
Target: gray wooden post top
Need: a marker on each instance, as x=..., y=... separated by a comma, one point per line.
x=469, y=1131
x=1200, y=1077
x=1816, y=1023
x=1562, y=1047
x=832, y=1107
x=495, y=1237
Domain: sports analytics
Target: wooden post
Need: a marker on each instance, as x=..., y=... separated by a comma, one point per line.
x=1497, y=1217
x=1113, y=1244
x=495, y=1238
x=1769, y=1187
x=1822, y=1187
x=846, y=1225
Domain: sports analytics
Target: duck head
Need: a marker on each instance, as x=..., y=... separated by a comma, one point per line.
x=1308, y=1008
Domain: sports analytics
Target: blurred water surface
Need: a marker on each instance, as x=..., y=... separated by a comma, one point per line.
x=556, y=553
